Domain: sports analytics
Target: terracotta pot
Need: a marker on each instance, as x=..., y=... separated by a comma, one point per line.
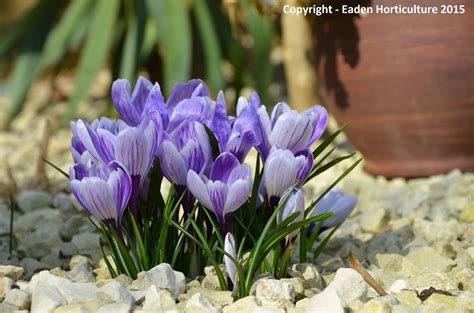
x=405, y=84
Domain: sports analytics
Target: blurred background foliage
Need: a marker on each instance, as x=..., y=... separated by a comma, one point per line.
x=228, y=43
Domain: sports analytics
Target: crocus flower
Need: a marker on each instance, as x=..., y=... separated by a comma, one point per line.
x=106, y=196
x=190, y=89
x=286, y=129
x=97, y=139
x=131, y=106
x=250, y=128
x=294, y=203
x=339, y=203
x=229, y=247
x=296, y=131
x=187, y=148
x=133, y=147
x=227, y=189
x=211, y=113
x=282, y=170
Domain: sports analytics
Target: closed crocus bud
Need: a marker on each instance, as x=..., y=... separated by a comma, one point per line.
x=294, y=204
x=231, y=268
x=227, y=189
x=106, y=196
x=187, y=148
x=251, y=128
x=339, y=203
x=283, y=170
x=296, y=131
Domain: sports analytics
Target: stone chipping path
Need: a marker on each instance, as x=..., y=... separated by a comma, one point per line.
x=414, y=237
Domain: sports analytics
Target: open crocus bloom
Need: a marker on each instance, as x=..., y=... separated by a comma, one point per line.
x=286, y=129
x=227, y=189
x=339, y=203
x=104, y=196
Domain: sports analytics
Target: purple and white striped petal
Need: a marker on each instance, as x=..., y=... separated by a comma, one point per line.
x=192, y=88
x=292, y=131
x=320, y=122
x=199, y=189
x=218, y=194
x=198, y=109
x=133, y=151
x=173, y=164
x=281, y=171
x=105, y=199
x=223, y=166
x=130, y=107
x=237, y=195
x=295, y=203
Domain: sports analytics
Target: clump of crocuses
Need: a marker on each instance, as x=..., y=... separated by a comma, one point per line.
x=168, y=182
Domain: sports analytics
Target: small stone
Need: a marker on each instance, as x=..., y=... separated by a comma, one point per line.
x=70, y=291
x=71, y=227
x=398, y=286
x=82, y=274
x=115, y=308
x=274, y=293
x=375, y=306
x=46, y=299
x=373, y=221
x=6, y=284
x=309, y=273
x=159, y=300
x=162, y=276
x=7, y=308
x=467, y=213
x=326, y=301
x=402, y=308
x=202, y=303
x=297, y=283
x=40, y=243
x=63, y=202
x=33, y=199
x=349, y=285
x=389, y=262
x=438, y=231
x=442, y=299
x=408, y=297
x=19, y=298
x=87, y=244
x=211, y=282
x=216, y=296
x=116, y=293
x=429, y=259
x=67, y=250
x=71, y=308
x=79, y=260
x=243, y=305
x=440, y=281
x=10, y=271
x=40, y=218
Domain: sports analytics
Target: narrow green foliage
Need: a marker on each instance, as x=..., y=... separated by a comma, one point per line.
x=210, y=44
x=319, y=149
x=95, y=49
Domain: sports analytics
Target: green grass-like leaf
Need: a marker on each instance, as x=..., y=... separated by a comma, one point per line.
x=174, y=36
x=210, y=44
x=319, y=149
x=95, y=49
